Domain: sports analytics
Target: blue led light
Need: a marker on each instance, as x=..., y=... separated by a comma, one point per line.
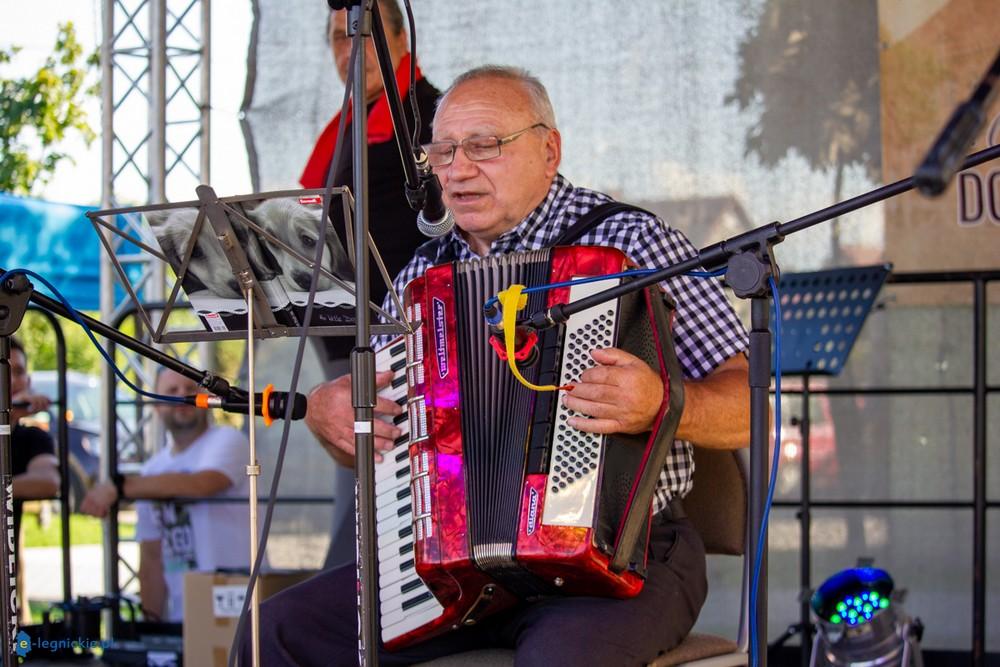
x=853, y=596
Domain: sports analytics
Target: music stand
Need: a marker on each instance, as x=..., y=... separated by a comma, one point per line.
x=822, y=313
x=246, y=265
x=243, y=251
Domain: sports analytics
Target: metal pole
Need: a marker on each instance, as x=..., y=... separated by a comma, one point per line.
x=62, y=433
x=760, y=386
x=206, y=91
x=253, y=471
x=8, y=583
x=979, y=474
x=805, y=519
x=363, y=362
x=107, y=112
x=157, y=148
x=107, y=284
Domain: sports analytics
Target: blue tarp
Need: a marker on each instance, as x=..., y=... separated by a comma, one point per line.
x=57, y=242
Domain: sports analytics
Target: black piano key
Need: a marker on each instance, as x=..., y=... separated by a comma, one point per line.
x=403, y=455
x=405, y=470
x=406, y=565
x=414, y=601
x=401, y=401
x=406, y=548
x=403, y=493
x=398, y=365
x=397, y=349
x=403, y=511
x=400, y=418
x=406, y=530
x=411, y=585
x=398, y=382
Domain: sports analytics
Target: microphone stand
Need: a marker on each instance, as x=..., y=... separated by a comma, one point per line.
x=749, y=264
x=363, y=357
x=365, y=21
x=14, y=295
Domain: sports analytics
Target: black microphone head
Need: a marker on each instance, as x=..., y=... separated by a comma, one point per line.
x=342, y=4
x=299, y=406
x=277, y=403
x=945, y=157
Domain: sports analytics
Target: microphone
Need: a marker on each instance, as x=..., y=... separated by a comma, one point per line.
x=946, y=155
x=434, y=219
x=269, y=404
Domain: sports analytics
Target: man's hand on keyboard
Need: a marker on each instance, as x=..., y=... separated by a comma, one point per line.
x=330, y=417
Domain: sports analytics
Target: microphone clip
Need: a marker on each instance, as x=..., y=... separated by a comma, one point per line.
x=416, y=195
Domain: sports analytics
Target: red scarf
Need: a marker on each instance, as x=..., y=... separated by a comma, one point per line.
x=379, y=129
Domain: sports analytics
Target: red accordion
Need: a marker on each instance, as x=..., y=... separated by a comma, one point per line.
x=490, y=497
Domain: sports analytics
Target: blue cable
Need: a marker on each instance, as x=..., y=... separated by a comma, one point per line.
x=79, y=320
x=492, y=302
x=755, y=580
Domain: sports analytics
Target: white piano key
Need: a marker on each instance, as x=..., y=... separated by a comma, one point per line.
x=396, y=570
x=393, y=523
x=389, y=493
x=399, y=624
x=393, y=595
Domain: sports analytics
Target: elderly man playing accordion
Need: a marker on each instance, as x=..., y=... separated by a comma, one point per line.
x=497, y=151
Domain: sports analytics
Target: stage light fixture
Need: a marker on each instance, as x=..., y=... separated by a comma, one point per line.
x=861, y=621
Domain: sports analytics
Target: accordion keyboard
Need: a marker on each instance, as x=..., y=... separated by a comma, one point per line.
x=405, y=602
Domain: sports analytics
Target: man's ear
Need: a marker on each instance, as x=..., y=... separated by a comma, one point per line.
x=553, y=152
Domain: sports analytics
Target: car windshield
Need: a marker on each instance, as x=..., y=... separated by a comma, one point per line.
x=84, y=397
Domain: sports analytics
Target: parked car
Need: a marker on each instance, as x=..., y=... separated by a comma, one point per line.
x=83, y=416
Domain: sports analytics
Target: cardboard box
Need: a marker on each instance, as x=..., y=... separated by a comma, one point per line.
x=212, y=604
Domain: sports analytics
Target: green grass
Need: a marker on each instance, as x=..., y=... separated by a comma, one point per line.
x=82, y=530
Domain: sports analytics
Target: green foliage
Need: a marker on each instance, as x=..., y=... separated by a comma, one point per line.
x=35, y=333
x=82, y=530
x=40, y=111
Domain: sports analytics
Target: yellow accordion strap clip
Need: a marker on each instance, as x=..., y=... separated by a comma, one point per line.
x=512, y=301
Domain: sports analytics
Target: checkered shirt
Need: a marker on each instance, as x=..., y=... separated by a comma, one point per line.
x=706, y=329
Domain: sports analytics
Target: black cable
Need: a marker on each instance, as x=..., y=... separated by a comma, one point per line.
x=413, y=74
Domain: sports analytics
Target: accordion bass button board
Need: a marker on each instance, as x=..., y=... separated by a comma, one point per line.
x=576, y=455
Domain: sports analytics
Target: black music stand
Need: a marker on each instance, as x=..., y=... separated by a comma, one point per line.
x=236, y=239
x=244, y=284
x=822, y=313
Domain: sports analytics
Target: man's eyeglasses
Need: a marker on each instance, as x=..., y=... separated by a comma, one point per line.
x=442, y=153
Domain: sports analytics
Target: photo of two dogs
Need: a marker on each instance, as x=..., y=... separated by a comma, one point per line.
x=279, y=255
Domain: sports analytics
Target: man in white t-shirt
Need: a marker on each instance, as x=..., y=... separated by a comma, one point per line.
x=174, y=538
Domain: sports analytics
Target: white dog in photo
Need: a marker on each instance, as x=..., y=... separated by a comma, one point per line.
x=298, y=227
x=209, y=268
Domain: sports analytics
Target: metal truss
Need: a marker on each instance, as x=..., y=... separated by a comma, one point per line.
x=155, y=79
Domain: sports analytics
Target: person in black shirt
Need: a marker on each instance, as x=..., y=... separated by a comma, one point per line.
x=33, y=462
x=392, y=223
